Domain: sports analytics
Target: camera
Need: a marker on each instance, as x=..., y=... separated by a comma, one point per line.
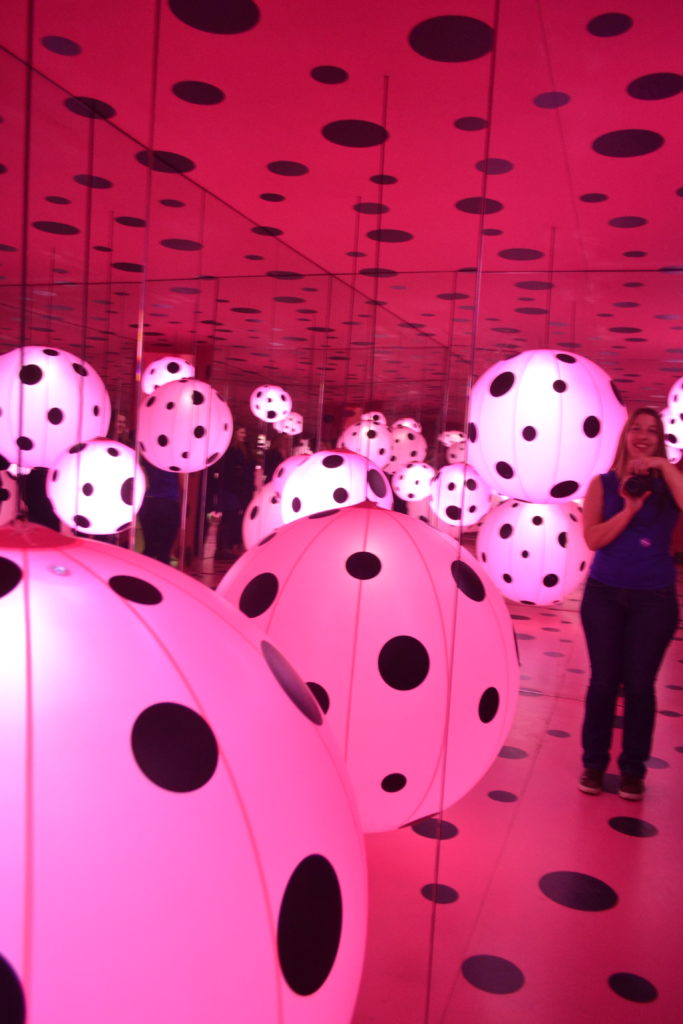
x=639, y=484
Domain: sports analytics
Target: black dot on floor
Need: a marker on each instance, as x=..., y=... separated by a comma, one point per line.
x=657, y=762
x=403, y=662
x=394, y=782
x=434, y=828
x=502, y=796
x=354, y=133
x=437, y=892
x=174, y=747
x=559, y=733
x=132, y=588
x=308, y=942
x=259, y=594
x=363, y=565
x=291, y=683
x=12, y=1002
x=492, y=974
x=512, y=753
x=467, y=581
x=578, y=891
x=633, y=827
x=632, y=987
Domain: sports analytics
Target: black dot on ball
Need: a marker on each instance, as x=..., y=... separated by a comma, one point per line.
x=537, y=520
x=551, y=580
x=114, y=452
x=82, y=522
x=371, y=433
x=393, y=783
x=259, y=594
x=525, y=554
x=173, y=367
x=132, y=588
x=489, y=704
x=591, y=426
x=564, y=357
x=197, y=398
x=199, y=431
x=472, y=432
x=321, y=695
x=292, y=684
x=25, y=444
x=308, y=942
x=127, y=491
x=564, y=489
x=529, y=433
x=30, y=374
x=471, y=484
x=505, y=530
x=80, y=369
x=55, y=416
x=332, y=461
x=363, y=565
x=162, y=440
x=562, y=539
x=437, y=892
x=467, y=581
x=501, y=384
x=296, y=504
x=403, y=662
x=12, y=1001
x=377, y=483
x=454, y=513
x=507, y=578
x=174, y=747
x=559, y=386
x=88, y=489
x=578, y=891
x=75, y=448
x=505, y=470
x=340, y=495
x=10, y=575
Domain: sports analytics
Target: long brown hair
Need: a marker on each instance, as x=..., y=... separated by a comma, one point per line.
x=620, y=458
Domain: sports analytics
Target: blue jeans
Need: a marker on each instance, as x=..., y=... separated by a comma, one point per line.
x=627, y=632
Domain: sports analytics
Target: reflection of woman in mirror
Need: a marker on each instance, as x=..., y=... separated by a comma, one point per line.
x=159, y=513
x=629, y=610
x=231, y=485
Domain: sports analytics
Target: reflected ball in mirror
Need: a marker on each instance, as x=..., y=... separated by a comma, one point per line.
x=291, y=425
x=96, y=487
x=672, y=421
x=372, y=440
x=412, y=482
x=49, y=401
x=407, y=445
x=185, y=797
x=270, y=403
x=409, y=423
x=374, y=417
x=262, y=516
x=162, y=371
x=459, y=495
x=331, y=480
x=184, y=426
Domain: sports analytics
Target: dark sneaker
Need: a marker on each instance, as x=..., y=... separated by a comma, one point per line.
x=631, y=787
x=591, y=782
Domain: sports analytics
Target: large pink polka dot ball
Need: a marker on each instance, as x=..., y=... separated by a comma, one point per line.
x=404, y=642
x=49, y=401
x=535, y=554
x=179, y=842
x=542, y=424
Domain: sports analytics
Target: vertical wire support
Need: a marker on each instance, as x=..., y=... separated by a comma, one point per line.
x=378, y=246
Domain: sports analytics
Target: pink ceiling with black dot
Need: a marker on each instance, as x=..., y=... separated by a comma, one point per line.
x=361, y=202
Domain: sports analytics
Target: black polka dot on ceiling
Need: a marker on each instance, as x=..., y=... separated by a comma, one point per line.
x=512, y=753
x=92, y=181
x=329, y=75
x=59, y=44
x=656, y=87
x=520, y=254
x=288, y=168
x=130, y=222
x=593, y=197
x=551, y=100
x=627, y=222
x=370, y=208
x=201, y=93
x=219, y=18
x=383, y=179
x=389, y=235
x=437, y=892
x=54, y=227
x=174, y=747
x=378, y=272
x=434, y=828
x=502, y=796
x=12, y=1002
x=628, y=142
x=308, y=943
x=85, y=106
x=264, y=229
x=355, y=134
x=470, y=124
x=478, y=204
x=183, y=244
x=578, y=891
x=492, y=165
x=164, y=161
x=492, y=974
x=451, y=38
x=129, y=268
x=633, y=987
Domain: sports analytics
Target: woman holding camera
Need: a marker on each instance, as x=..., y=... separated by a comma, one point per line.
x=629, y=610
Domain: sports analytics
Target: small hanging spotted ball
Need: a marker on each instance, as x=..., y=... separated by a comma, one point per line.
x=409, y=423
x=404, y=642
x=184, y=426
x=291, y=425
x=184, y=796
x=332, y=480
x=96, y=487
x=535, y=554
x=407, y=445
x=542, y=424
x=413, y=482
x=162, y=371
x=49, y=401
x=270, y=403
x=372, y=440
x=459, y=495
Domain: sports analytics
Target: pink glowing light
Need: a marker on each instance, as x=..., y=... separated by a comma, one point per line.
x=413, y=481
x=184, y=426
x=270, y=403
x=460, y=495
x=331, y=480
x=96, y=487
x=178, y=838
x=403, y=639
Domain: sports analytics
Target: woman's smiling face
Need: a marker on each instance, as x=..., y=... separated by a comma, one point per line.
x=643, y=436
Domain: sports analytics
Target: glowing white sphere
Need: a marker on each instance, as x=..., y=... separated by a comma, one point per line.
x=455, y=443
x=184, y=426
x=270, y=403
x=542, y=424
x=674, y=455
x=672, y=421
x=262, y=515
x=285, y=468
x=450, y=437
x=414, y=696
x=292, y=424
x=460, y=495
x=534, y=553
x=8, y=494
x=675, y=397
x=162, y=371
x=374, y=417
x=95, y=487
x=422, y=510
x=409, y=423
x=407, y=445
x=412, y=482
x=184, y=799
x=333, y=480
x=49, y=401
x=369, y=439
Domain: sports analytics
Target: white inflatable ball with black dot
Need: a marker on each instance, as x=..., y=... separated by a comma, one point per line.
x=412, y=482
x=672, y=421
x=270, y=403
x=374, y=417
x=409, y=423
x=459, y=495
x=96, y=487
x=262, y=515
x=162, y=371
x=372, y=440
x=331, y=480
x=184, y=426
x=407, y=445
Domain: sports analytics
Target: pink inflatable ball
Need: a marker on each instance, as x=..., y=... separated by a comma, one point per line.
x=675, y=397
x=291, y=425
x=372, y=440
x=405, y=642
x=184, y=426
x=333, y=480
x=9, y=496
x=262, y=515
x=407, y=445
x=460, y=495
x=674, y=455
x=162, y=371
x=183, y=796
x=286, y=467
x=534, y=554
x=422, y=510
x=542, y=424
x=96, y=487
x=50, y=400
x=374, y=417
x=672, y=421
x=409, y=423
x=412, y=482
x=270, y=403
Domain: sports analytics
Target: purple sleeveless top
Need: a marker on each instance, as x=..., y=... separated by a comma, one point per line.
x=639, y=557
